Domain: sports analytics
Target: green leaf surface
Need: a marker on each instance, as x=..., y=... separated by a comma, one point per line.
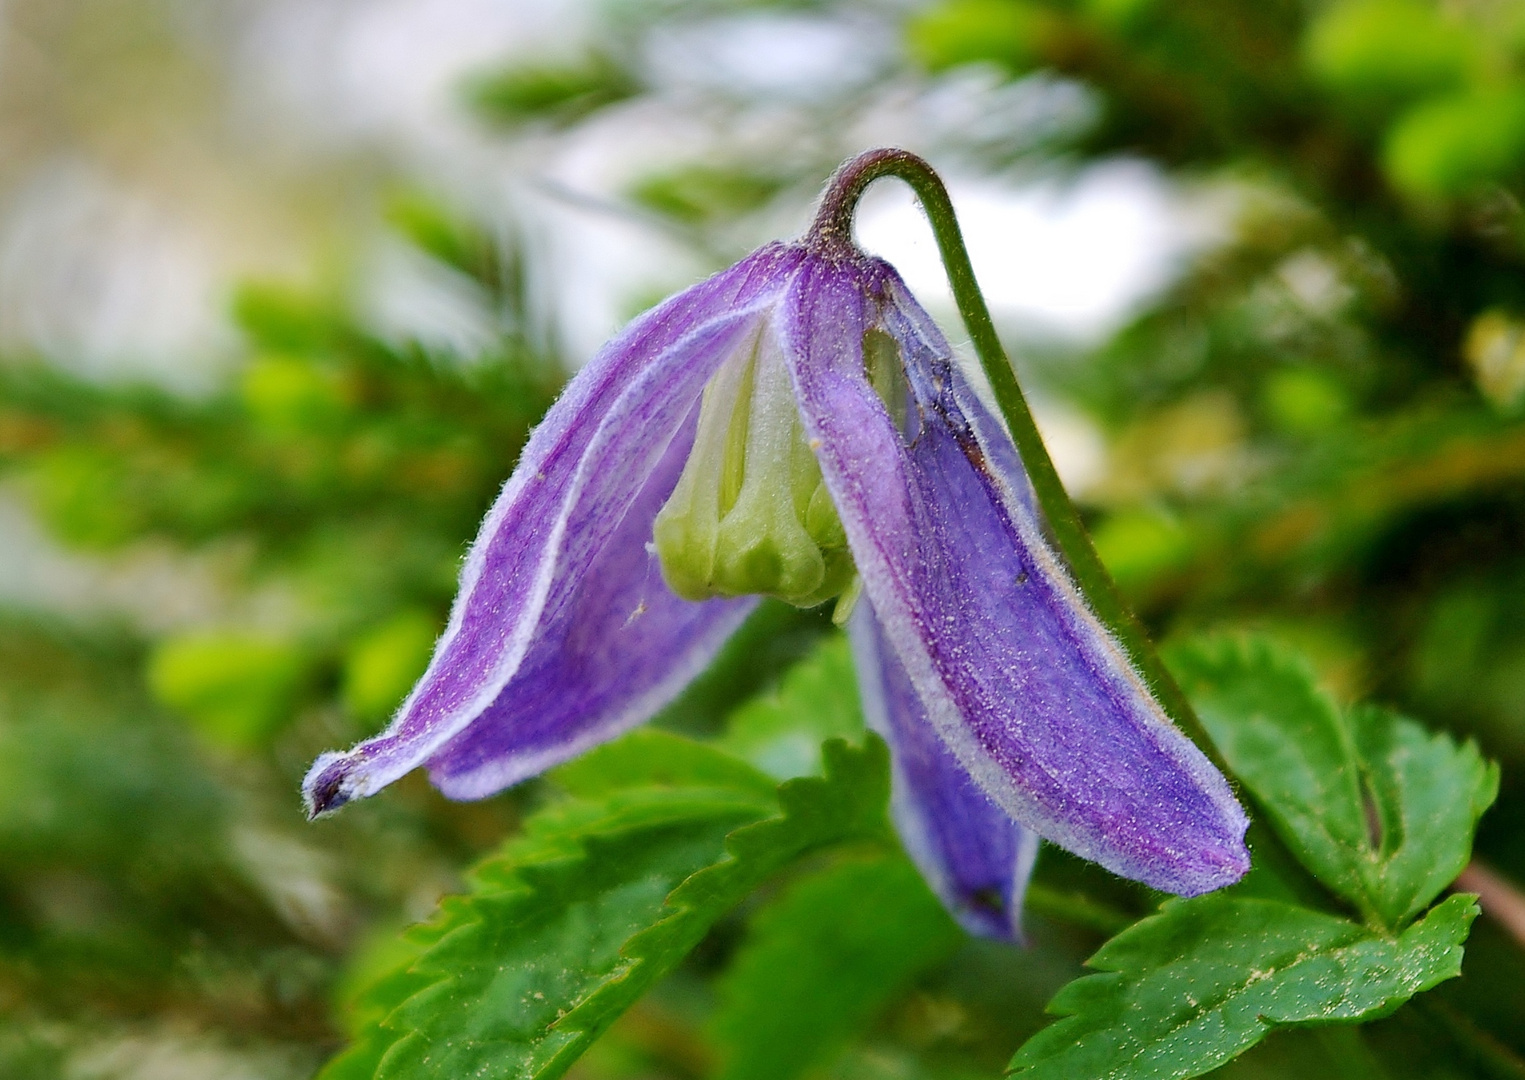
x=598, y=899
x=1381, y=810
x=394, y=981
x=1428, y=793
x=823, y=960
x=648, y=757
x=643, y=759
x=781, y=732
x=1182, y=992
x=519, y=957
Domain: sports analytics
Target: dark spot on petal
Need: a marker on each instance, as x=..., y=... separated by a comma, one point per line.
x=327, y=796
x=973, y=452
x=988, y=899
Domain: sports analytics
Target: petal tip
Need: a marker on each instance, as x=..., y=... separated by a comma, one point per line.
x=1233, y=865
x=328, y=785
x=1213, y=868
x=989, y=915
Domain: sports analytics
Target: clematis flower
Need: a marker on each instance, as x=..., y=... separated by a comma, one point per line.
x=797, y=426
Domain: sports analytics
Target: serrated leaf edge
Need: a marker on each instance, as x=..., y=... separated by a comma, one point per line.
x=1106, y=976
x=746, y=862
x=753, y=852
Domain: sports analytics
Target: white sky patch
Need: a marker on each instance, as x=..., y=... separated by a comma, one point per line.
x=407, y=296
x=150, y=585
x=603, y=266
x=107, y=280
x=394, y=69
x=1055, y=259
x=1076, y=445
x=765, y=53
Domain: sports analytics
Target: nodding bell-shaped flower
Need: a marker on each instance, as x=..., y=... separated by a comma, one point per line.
x=796, y=426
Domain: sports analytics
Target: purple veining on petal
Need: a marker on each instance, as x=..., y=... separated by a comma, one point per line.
x=973, y=855
x=1024, y=685
x=620, y=649
x=581, y=470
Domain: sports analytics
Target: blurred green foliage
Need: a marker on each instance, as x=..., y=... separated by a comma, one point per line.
x=555, y=94
x=237, y=688
x=381, y=667
x=156, y=863
x=705, y=194
x=822, y=960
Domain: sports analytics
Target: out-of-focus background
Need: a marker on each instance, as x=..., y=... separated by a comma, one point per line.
x=283, y=283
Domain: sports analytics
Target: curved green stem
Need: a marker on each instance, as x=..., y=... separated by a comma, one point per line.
x=832, y=233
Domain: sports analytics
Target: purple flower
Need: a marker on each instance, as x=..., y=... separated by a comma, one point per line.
x=796, y=426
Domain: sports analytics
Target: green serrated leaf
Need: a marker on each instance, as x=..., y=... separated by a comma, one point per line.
x=1182, y=992
x=1381, y=810
x=820, y=962
x=580, y=872
x=519, y=958
x=781, y=733
x=394, y=981
x=596, y=901
x=1428, y=794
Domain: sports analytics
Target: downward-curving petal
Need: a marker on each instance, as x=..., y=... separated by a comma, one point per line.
x=622, y=648
x=1021, y=681
x=580, y=474
x=973, y=855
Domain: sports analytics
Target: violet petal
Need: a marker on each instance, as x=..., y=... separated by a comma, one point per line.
x=1025, y=686
x=580, y=473
x=622, y=648
x=972, y=854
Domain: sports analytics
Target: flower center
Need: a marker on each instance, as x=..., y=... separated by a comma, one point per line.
x=750, y=513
